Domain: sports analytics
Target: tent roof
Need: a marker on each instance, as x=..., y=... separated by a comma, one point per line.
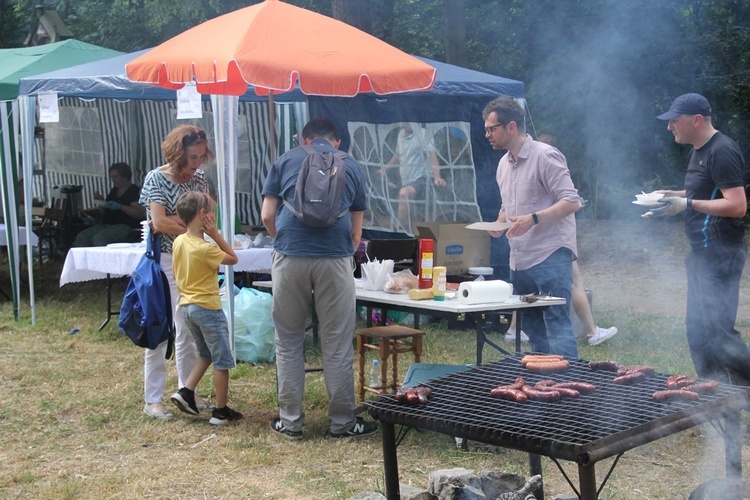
x=20, y=62
x=107, y=79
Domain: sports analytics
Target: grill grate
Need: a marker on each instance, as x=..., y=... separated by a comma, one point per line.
x=611, y=419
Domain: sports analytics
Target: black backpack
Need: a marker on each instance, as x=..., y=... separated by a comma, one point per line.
x=146, y=311
x=320, y=187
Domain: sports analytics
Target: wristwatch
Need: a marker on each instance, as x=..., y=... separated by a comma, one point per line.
x=689, y=203
x=534, y=216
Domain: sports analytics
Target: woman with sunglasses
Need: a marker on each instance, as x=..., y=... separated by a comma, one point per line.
x=185, y=150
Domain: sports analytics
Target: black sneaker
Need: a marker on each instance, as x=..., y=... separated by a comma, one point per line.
x=361, y=428
x=222, y=416
x=279, y=428
x=185, y=401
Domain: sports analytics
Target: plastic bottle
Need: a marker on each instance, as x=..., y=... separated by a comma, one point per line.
x=425, y=260
x=375, y=382
x=438, y=282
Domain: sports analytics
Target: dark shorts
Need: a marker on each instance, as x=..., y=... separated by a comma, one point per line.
x=420, y=187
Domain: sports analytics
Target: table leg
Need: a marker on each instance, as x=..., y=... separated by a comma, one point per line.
x=390, y=461
x=732, y=445
x=535, y=468
x=587, y=481
x=109, y=303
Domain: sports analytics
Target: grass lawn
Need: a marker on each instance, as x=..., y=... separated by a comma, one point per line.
x=71, y=404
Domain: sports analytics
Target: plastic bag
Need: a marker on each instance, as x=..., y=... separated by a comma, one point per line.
x=401, y=282
x=253, y=326
x=376, y=273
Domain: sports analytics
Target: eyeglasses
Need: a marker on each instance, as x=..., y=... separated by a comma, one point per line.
x=193, y=137
x=489, y=130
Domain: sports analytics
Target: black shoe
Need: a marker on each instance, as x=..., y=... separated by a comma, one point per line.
x=361, y=428
x=185, y=401
x=222, y=416
x=279, y=428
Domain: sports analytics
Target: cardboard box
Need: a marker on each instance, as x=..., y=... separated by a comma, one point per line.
x=456, y=247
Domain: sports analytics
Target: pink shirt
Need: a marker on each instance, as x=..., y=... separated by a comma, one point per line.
x=537, y=179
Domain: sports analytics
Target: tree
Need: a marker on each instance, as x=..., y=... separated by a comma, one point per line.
x=357, y=13
x=454, y=27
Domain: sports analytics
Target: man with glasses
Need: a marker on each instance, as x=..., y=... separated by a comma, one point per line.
x=715, y=203
x=539, y=199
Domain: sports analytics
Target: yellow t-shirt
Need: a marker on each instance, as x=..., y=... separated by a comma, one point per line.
x=195, y=263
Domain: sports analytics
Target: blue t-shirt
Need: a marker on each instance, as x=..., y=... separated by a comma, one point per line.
x=295, y=238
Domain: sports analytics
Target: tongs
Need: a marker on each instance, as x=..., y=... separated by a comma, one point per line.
x=532, y=297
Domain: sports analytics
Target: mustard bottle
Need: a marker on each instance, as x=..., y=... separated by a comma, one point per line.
x=438, y=282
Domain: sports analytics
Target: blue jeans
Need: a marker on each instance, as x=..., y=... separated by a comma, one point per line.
x=716, y=347
x=211, y=334
x=549, y=328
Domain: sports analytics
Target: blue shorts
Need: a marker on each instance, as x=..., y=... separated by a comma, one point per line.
x=211, y=334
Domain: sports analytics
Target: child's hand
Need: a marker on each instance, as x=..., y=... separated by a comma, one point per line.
x=208, y=221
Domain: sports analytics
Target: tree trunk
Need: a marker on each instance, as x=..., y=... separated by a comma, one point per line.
x=454, y=29
x=357, y=13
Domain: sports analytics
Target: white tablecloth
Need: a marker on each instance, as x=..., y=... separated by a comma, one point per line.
x=94, y=263
x=21, y=239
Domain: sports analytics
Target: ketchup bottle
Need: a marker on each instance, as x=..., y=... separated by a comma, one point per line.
x=425, y=254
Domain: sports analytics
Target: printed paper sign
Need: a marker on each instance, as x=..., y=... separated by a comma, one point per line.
x=189, y=103
x=48, y=111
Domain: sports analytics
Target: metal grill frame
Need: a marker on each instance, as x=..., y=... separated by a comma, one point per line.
x=584, y=430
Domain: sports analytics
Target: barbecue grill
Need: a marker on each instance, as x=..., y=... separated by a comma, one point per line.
x=607, y=422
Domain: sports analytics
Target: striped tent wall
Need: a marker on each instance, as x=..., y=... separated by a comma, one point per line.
x=9, y=182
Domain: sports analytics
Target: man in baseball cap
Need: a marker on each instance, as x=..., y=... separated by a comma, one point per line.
x=714, y=203
x=687, y=104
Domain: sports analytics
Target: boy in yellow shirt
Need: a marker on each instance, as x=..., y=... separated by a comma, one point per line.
x=196, y=263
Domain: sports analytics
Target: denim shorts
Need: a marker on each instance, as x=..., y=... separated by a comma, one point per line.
x=211, y=334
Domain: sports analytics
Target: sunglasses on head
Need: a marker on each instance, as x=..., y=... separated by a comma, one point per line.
x=193, y=137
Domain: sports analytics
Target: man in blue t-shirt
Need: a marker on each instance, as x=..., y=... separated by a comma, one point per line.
x=315, y=260
x=714, y=203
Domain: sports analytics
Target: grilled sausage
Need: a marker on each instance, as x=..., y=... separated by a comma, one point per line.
x=548, y=367
x=677, y=381
x=401, y=394
x=606, y=365
x=647, y=370
x=424, y=390
x=510, y=394
x=630, y=378
x=675, y=394
x=538, y=358
x=545, y=383
x=541, y=394
x=582, y=387
x=567, y=392
x=707, y=386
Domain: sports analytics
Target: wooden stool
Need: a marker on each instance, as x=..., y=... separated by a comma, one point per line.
x=392, y=340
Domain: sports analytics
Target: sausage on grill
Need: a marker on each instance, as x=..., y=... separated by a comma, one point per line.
x=542, y=394
x=548, y=367
x=630, y=378
x=567, y=391
x=645, y=369
x=675, y=394
x=582, y=387
x=540, y=358
x=707, y=386
x=677, y=381
x=510, y=394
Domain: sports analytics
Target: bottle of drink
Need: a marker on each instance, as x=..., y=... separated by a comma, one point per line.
x=424, y=263
x=375, y=382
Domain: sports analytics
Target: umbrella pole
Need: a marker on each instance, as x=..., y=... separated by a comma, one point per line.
x=272, y=125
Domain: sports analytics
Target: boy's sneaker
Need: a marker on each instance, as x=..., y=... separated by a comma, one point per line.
x=510, y=336
x=602, y=334
x=222, y=416
x=185, y=401
x=279, y=428
x=361, y=428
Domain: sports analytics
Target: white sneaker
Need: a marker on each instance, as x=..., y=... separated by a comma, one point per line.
x=602, y=334
x=510, y=336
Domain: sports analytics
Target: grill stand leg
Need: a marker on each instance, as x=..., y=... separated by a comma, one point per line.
x=733, y=445
x=390, y=461
x=587, y=481
x=535, y=467
x=110, y=312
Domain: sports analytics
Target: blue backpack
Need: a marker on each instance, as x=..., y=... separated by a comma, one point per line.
x=146, y=311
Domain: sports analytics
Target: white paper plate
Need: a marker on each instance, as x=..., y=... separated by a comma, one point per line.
x=648, y=203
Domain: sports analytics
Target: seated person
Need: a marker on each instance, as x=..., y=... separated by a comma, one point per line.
x=117, y=218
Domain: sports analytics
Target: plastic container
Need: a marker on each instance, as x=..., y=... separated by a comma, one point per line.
x=375, y=381
x=425, y=256
x=485, y=272
x=439, y=274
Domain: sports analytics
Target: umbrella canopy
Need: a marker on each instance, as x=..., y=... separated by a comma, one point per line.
x=271, y=46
